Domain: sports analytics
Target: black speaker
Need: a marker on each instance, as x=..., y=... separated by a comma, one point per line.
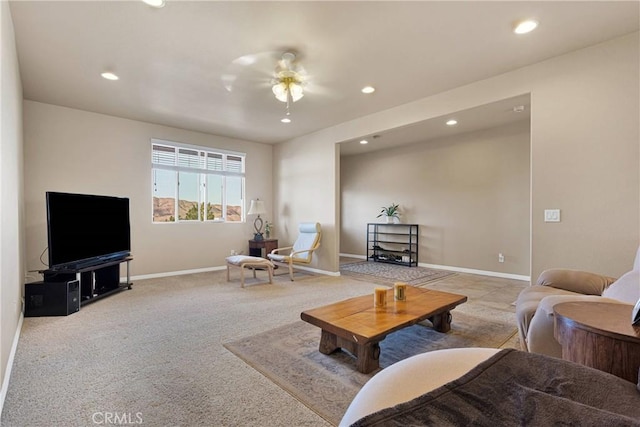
x=51, y=298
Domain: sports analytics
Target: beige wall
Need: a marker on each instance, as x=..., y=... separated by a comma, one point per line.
x=586, y=158
x=76, y=151
x=305, y=191
x=11, y=195
x=584, y=144
x=469, y=194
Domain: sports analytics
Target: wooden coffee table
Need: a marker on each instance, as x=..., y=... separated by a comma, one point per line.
x=356, y=326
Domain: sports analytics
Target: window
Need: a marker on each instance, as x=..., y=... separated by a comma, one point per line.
x=196, y=183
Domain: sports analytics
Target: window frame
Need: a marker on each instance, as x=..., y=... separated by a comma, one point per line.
x=236, y=168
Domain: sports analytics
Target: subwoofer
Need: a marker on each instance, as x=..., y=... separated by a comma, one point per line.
x=51, y=298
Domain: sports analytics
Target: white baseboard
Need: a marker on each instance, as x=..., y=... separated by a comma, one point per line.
x=337, y=273
x=315, y=270
x=224, y=267
x=175, y=273
x=459, y=269
x=9, y=367
x=353, y=256
x=479, y=272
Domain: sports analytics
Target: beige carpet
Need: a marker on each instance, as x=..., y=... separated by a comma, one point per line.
x=157, y=350
x=289, y=356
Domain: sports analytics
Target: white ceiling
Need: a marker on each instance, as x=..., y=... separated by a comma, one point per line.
x=473, y=119
x=171, y=60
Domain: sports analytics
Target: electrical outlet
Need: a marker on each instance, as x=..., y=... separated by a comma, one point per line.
x=500, y=257
x=552, y=215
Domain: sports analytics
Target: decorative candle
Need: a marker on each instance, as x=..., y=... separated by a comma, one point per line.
x=380, y=297
x=400, y=291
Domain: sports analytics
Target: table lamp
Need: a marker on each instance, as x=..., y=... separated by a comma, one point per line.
x=257, y=208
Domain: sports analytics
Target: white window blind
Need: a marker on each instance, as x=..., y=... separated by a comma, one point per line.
x=180, y=192
x=163, y=155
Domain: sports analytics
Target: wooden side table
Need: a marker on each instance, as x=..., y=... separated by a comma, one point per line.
x=599, y=335
x=262, y=247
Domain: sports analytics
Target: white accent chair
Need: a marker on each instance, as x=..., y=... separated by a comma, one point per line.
x=302, y=250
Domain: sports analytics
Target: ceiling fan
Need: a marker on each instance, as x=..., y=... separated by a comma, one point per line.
x=289, y=82
x=282, y=72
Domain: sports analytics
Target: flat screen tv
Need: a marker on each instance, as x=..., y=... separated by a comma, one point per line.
x=84, y=229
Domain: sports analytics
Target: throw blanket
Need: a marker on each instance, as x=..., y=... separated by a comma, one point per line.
x=517, y=388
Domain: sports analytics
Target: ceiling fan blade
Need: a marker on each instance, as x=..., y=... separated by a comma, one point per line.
x=249, y=70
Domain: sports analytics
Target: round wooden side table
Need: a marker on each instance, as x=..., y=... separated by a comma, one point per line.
x=599, y=335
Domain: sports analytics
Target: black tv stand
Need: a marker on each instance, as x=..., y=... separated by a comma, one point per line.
x=96, y=281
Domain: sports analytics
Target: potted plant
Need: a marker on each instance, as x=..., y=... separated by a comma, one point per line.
x=267, y=229
x=391, y=212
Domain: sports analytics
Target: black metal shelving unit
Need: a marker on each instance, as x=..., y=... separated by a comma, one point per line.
x=393, y=243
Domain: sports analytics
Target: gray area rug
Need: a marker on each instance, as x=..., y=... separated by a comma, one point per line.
x=289, y=356
x=379, y=272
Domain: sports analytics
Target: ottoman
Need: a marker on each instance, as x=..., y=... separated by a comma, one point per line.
x=252, y=262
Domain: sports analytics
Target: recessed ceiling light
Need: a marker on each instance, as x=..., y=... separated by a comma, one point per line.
x=155, y=3
x=452, y=122
x=524, y=27
x=109, y=76
x=286, y=120
x=364, y=141
x=368, y=89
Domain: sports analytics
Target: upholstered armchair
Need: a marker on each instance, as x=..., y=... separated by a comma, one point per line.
x=534, y=306
x=302, y=250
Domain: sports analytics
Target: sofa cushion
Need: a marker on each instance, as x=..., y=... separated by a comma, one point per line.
x=278, y=257
x=581, y=282
x=246, y=259
x=527, y=303
x=626, y=288
x=540, y=336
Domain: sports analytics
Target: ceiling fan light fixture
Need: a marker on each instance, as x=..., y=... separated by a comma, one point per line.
x=287, y=86
x=296, y=91
x=280, y=91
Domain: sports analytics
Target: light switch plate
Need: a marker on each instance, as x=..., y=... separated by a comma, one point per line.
x=552, y=215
